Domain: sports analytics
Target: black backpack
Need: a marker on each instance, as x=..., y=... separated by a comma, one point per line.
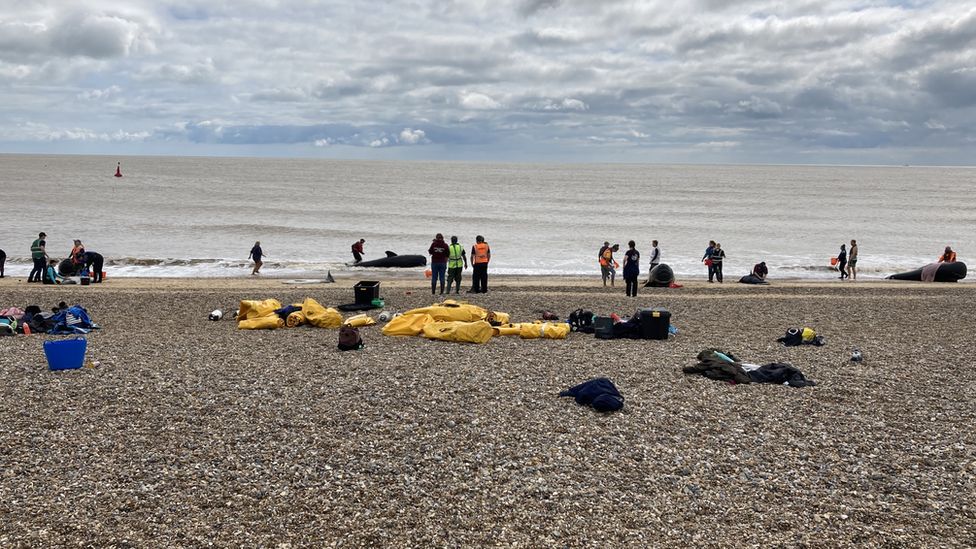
x=581, y=321
x=349, y=339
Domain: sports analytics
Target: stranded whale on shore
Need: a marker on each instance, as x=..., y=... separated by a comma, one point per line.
x=935, y=272
x=393, y=260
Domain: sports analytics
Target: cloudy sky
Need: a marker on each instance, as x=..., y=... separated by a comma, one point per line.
x=818, y=81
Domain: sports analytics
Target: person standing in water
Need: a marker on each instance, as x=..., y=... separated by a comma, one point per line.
x=631, y=268
x=39, y=255
x=357, y=250
x=480, y=256
x=256, y=254
x=439, y=252
x=457, y=260
x=852, y=261
x=842, y=261
x=707, y=259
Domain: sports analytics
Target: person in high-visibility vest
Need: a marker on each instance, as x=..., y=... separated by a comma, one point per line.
x=39, y=255
x=457, y=260
x=480, y=256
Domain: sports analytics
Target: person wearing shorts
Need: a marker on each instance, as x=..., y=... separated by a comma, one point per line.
x=852, y=261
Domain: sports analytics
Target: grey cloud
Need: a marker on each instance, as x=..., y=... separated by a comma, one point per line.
x=97, y=35
x=952, y=87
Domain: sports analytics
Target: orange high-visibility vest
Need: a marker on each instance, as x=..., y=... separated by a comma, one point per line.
x=480, y=253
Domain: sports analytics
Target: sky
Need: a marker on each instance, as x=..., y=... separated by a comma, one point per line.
x=699, y=81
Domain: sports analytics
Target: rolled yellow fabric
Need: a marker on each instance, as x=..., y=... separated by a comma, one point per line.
x=295, y=319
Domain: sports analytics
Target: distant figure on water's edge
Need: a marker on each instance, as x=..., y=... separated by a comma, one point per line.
x=842, y=261
x=256, y=254
x=118, y=170
x=852, y=261
x=3, y=260
x=357, y=250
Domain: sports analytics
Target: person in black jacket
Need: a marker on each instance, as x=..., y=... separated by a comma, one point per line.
x=3, y=259
x=94, y=263
x=718, y=256
x=842, y=261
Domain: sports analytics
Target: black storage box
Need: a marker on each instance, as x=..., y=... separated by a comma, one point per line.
x=603, y=327
x=654, y=323
x=85, y=281
x=366, y=291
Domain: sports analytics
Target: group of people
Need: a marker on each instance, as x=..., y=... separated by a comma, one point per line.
x=449, y=261
x=631, y=265
x=847, y=261
x=45, y=268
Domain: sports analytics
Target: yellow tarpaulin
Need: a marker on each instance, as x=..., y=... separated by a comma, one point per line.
x=359, y=321
x=407, y=325
x=262, y=323
x=250, y=309
x=507, y=330
x=546, y=330
x=466, y=332
x=317, y=315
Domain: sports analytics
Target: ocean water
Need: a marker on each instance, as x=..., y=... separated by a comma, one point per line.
x=174, y=216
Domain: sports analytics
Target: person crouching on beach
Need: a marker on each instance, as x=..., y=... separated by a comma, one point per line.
x=94, y=262
x=77, y=255
x=760, y=271
x=256, y=253
x=631, y=268
x=948, y=256
x=51, y=275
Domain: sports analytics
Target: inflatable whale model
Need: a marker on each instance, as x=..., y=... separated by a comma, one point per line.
x=393, y=260
x=935, y=272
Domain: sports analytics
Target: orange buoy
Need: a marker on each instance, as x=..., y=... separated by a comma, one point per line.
x=118, y=170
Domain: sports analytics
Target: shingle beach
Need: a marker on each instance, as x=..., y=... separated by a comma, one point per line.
x=191, y=432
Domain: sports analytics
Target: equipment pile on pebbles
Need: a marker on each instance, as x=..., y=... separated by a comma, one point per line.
x=193, y=432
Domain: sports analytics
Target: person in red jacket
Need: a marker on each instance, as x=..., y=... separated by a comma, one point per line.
x=439, y=252
x=357, y=250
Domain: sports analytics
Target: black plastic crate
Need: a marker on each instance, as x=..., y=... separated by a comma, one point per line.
x=366, y=291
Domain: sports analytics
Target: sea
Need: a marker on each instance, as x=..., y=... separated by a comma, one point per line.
x=199, y=216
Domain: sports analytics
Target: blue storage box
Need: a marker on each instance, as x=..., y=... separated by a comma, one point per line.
x=65, y=354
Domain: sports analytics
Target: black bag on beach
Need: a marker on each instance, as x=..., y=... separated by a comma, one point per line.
x=581, y=321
